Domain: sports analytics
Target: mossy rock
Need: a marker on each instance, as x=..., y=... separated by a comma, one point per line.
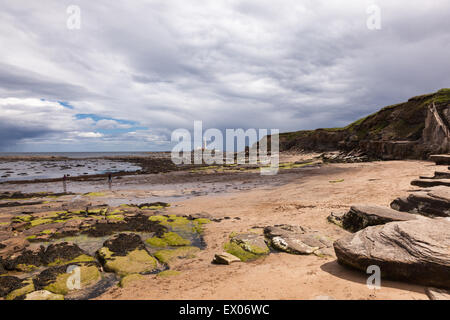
x=156, y=242
x=174, y=239
x=136, y=261
x=154, y=205
x=127, y=280
x=27, y=287
x=22, y=218
x=80, y=258
x=167, y=255
x=198, y=225
x=168, y=239
x=236, y=250
x=247, y=246
x=22, y=267
x=117, y=217
x=89, y=275
x=168, y=273
x=40, y=221
x=95, y=194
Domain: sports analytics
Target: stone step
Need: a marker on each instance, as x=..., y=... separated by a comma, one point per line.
x=434, y=203
x=440, y=158
x=438, y=175
x=437, y=294
x=426, y=183
x=362, y=216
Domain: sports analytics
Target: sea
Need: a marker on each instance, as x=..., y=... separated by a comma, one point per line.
x=16, y=166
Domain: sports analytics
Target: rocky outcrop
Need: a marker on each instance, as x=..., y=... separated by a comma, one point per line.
x=360, y=217
x=415, y=251
x=410, y=130
x=297, y=240
x=433, y=203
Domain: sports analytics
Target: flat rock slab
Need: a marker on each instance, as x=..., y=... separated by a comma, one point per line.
x=433, y=203
x=440, y=158
x=360, y=217
x=438, y=175
x=225, y=258
x=426, y=183
x=437, y=294
x=297, y=240
x=416, y=251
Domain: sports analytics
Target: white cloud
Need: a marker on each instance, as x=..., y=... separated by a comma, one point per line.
x=89, y=135
x=163, y=64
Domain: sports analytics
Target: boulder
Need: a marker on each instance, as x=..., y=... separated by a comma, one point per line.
x=296, y=239
x=433, y=203
x=126, y=254
x=416, y=251
x=360, y=217
x=225, y=258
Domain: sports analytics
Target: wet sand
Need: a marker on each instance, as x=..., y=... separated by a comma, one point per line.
x=245, y=200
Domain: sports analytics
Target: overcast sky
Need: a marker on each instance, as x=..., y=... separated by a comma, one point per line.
x=136, y=70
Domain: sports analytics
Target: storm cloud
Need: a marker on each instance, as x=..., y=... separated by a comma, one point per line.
x=140, y=69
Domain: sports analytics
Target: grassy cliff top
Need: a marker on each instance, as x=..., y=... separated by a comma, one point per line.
x=403, y=121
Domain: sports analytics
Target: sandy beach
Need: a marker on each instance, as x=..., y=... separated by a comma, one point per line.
x=242, y=200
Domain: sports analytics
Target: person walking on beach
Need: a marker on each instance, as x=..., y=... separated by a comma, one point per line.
x=65, y=183
x=109, y=180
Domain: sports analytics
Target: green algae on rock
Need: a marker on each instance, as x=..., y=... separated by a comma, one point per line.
x=156, y=242
x=125, y=254
x=174, y=239
x=247, y=246
x=168, y=273
x=167, y=255
x=127, y=280
x=89, y=275
x=27, y=287
x=137, y=261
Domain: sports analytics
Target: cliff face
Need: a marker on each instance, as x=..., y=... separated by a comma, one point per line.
x=410, y=130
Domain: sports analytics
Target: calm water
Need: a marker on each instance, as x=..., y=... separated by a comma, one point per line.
x=78, y=155
x=76, y=164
